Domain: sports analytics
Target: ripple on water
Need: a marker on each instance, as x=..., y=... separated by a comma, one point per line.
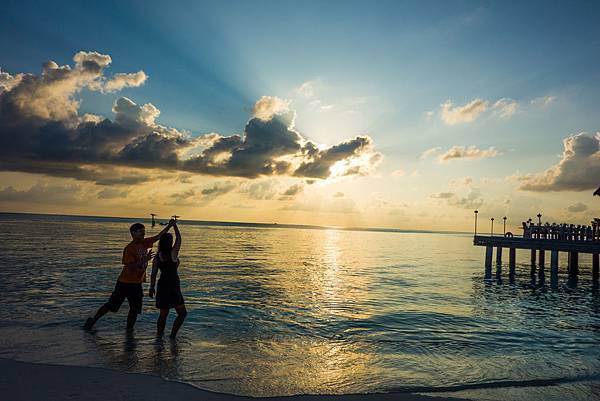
x=288, y=311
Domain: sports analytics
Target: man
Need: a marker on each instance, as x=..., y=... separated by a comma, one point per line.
x=129, y=283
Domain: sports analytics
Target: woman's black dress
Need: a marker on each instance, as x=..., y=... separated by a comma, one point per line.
x=168, y=291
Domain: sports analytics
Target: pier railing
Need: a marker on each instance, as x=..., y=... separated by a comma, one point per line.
x=547, y=244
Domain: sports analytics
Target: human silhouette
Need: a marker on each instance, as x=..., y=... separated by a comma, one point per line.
x=129, y=284
x=168, y=291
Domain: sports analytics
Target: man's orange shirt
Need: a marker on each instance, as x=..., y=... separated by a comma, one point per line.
x=134, y=252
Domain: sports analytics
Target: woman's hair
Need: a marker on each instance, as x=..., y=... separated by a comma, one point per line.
x=165, y=243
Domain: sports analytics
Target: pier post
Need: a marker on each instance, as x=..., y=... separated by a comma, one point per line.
x=542, y=266
x=554, y=269
x=498, y=262
x=533, y=265
x=573, y=264
x=512, y=259
x=595, y=266
x=488, y=262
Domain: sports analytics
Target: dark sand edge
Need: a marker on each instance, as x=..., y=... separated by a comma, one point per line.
x=25, y=381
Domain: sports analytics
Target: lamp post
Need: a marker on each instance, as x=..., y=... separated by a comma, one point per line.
x=539, y=216
x=476, y=212
x=504, y=218
x=492, y=233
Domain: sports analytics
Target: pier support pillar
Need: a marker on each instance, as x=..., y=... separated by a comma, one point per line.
x=554, y=269
x=542, y=266
x=595, y=266
x=512, y=262
x=573, y=264
x=499, y=262
x=488, y=262
x=533, y=265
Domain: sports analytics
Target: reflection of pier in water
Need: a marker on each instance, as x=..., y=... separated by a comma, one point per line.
x=538, y=247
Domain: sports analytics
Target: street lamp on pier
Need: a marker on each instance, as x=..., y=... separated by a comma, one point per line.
x=492, y=232
x=476, y=212
x=504, y=218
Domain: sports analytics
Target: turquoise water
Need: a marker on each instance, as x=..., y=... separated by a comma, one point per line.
x=279, y=311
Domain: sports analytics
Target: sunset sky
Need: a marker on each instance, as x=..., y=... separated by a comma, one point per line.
x=373, y=114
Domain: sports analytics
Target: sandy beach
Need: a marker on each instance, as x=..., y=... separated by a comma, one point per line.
x=22, y=381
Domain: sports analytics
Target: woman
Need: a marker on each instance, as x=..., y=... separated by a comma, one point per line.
x=168, y=294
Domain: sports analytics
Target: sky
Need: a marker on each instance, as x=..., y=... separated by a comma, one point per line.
x=399, y=114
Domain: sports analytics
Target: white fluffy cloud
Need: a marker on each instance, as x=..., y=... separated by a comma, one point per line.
x=470, y=153
x=577, y=170
x=123, y=80
x=505, y=108
x=268, y=106
x=451, y=114
x=467, y=113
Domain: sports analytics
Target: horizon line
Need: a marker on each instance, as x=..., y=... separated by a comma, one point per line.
x=261, y=224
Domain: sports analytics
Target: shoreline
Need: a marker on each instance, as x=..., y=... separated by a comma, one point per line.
x=27, y=381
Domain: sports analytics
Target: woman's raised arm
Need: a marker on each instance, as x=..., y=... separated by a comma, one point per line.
x=177, y=245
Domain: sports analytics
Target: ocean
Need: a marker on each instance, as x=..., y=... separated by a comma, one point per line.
x=282, y=310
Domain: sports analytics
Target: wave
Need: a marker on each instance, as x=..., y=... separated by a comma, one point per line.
x=497, y=384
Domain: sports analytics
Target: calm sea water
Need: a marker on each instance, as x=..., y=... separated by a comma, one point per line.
x=278, y=311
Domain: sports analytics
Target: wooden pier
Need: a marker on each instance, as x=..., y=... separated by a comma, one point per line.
x=538, y=248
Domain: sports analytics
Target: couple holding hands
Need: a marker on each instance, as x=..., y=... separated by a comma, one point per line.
x=136, y=256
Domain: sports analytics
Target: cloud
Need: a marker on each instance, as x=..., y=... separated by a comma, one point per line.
x=185, y=198
x=443, y=195
x=307, y=89
x=268, y=106
x=577, y=208
x=43, y=192
x=121, y=80
x=469, y=153
x=112, y=193
x=348, y=158
x=544, y=101
x=291, y=193
x=101, y=175
x=261, y=190
x=463, y=114
x=472, y=200
x=429, y=152
x=338, y=195
x=218, y=189
x=577, y=170
x=505, y=107
x=41, y=131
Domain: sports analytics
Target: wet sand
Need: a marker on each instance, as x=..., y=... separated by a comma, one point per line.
x=23, y=381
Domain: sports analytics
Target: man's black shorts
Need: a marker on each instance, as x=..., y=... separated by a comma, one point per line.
x=132, y=291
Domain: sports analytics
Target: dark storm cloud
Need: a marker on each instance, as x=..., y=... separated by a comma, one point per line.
x=320, y=161
x=41, y=131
